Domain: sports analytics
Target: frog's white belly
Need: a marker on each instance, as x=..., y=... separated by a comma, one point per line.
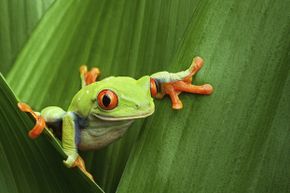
x=100, y=133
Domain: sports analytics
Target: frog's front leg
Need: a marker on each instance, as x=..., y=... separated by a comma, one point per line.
x=173, y=84
x=70, y=139
x=51, y=115
x=88, y=77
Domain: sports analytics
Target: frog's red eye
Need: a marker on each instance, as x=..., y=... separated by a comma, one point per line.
x=107, y=99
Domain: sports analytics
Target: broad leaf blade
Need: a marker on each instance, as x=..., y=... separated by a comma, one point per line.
x=17, y=20
x=225, y=142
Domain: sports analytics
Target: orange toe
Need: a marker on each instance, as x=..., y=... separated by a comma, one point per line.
x=92, y=75
x=83, y=69
x=81, y=164
x=24, y=107
x=177, y=106
x=40, y=122
x=208, y=89
x=95, y=71
x=198, y=61
x=38, y=128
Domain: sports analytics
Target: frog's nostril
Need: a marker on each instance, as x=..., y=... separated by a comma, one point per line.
x=137, y=106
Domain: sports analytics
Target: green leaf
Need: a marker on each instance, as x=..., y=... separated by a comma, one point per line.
x=17, y=20
x=32, y=165
x=236, y=140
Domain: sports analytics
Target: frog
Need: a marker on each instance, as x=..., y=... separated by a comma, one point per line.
x=102, y=110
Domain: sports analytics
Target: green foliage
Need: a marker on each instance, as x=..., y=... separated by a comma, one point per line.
x=232, y=141
x=17, y=20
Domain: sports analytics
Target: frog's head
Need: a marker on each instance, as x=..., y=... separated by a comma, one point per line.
x=116, y=98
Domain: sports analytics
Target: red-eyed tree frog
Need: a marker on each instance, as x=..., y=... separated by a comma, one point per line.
x=101, y=112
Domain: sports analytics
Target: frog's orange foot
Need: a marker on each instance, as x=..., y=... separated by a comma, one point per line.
x=40, y=122
x=89, y=77
x=81, y=164
x=173, y=89
x=196, y=65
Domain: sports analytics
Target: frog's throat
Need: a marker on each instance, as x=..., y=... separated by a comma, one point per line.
x=110, y=118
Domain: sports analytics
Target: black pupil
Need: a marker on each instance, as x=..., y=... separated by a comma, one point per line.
x=106, y=100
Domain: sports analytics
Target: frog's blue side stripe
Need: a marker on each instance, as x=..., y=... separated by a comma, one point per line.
x=80, y=123
x=158, y=85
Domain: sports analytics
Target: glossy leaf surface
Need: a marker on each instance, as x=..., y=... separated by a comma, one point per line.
x=18, y=18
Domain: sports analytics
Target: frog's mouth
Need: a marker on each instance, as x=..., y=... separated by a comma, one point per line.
x=112, y=118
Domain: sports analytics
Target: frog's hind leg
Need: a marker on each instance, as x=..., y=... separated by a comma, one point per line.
x=175, y=88
x=173, y=84
x=196, y=89
x=88, y=77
